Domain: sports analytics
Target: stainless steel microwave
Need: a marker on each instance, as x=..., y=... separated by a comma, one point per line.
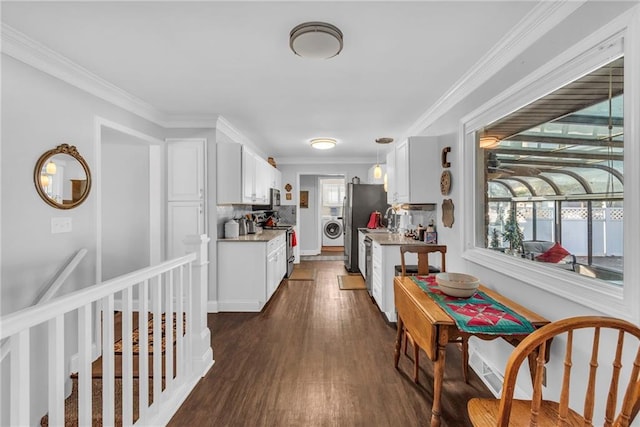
x=274, y=201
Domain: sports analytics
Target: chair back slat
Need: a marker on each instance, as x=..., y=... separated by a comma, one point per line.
x=631, y=402
x=589, y=400
x=563, y=411
x=612, y=399
x=537, y=385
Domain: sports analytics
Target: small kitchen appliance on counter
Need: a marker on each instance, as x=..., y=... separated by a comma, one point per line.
x=231, y=229
x=374, y=220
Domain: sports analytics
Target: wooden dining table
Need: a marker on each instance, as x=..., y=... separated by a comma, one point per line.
x=432, y=329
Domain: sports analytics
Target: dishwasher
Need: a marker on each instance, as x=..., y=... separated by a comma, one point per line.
x=368, y=274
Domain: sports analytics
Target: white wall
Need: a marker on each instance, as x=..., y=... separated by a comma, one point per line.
x=125, y=204
x=40, y=112
x=292, y=172
x=551, y=306
x=309, y=222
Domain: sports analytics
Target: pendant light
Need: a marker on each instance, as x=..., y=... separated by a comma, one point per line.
x=377, y=171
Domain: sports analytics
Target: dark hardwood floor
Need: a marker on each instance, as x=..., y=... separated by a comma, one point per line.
x=318, y=356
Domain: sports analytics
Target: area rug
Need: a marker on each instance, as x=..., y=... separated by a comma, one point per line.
x=303, y=274
x=355, y=282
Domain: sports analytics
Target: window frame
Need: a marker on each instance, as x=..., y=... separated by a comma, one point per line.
x=620, y=37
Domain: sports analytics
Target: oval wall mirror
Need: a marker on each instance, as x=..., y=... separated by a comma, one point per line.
x=62, y=177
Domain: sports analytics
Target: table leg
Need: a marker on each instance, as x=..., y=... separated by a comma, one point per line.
x=438, y=374
x=396, y=354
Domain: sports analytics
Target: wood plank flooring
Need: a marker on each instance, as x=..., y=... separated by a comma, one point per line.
x=318, y=356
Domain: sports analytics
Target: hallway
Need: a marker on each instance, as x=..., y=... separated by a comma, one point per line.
x=318, y=356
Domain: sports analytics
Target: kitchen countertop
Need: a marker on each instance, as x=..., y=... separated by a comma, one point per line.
x=386, y=238
x=264, y=236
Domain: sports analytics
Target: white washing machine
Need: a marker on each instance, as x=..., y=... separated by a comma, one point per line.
x=332, y=234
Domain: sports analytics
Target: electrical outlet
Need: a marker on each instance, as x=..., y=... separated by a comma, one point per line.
x=60, y=225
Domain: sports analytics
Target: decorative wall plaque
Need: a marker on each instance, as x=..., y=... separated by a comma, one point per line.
x=447, y=213
x=445, y=151
x=445, y=182
x=288, y=187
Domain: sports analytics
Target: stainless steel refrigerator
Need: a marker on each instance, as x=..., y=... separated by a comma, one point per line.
x=360, y=201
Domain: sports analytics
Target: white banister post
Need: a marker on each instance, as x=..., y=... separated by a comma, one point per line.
x=201, y=345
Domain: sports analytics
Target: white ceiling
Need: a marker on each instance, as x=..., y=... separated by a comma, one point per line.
x=203, y=59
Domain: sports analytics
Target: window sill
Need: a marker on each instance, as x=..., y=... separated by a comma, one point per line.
x=596, y=294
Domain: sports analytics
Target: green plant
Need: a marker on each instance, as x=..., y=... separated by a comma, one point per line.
x=512, y=232
x=495, y=238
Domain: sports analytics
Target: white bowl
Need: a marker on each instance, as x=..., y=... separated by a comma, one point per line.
x=457, y=284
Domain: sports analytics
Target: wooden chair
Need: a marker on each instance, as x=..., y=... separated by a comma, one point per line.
x=423, y=252
x=508, y=411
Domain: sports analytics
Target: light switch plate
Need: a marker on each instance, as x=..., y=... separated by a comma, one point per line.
x=60, y=225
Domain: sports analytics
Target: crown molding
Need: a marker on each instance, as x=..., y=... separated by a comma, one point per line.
x=541, y=19
x=22, y=48
x=325, y=161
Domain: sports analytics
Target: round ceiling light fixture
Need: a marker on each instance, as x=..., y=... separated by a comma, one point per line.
x=384, y=140
x=323, y=143
x=317, y=40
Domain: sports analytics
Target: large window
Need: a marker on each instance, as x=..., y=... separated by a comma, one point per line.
x=549, y=157
x=557, y=187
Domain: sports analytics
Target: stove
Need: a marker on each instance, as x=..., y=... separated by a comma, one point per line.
x=290, y=257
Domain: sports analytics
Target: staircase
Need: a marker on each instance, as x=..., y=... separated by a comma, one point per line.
x=113, y=380
x=71, y=402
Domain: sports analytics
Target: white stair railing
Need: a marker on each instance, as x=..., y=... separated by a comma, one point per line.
x=168, y=290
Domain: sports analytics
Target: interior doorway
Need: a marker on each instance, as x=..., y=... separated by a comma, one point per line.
x=129, y=207
x=323, y=212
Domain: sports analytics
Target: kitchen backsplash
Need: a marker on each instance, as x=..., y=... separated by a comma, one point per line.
x=227, y=212
x=420, y=217
x=287, y=215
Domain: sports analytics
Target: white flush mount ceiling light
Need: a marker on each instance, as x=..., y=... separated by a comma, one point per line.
x=317, y=40
x=323, y=143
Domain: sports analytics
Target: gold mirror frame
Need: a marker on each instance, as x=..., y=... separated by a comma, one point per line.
x=40, y=165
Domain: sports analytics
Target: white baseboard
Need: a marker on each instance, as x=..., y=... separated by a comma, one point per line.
x=240, y=305
x=73, y=361
x=212, y=306
x=309, y=252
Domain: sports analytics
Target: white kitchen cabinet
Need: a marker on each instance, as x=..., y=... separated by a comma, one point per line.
x=362, y=253
x=391, y=177
x=186, y=193
x=243, y=177
x=415, y=174
x=185, y=169
x=183, y=219
x=385, y=258
x=249, y=272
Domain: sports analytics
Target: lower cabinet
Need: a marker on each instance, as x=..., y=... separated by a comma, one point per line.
x=362, y=254
x=249, y=272
x=385, y=259
x=183, y=219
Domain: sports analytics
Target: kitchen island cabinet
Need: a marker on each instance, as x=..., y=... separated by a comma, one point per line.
x=385, y=256
x=250, y=269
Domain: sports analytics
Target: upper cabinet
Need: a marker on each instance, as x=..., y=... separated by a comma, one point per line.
x=185, y=170
x=413, y=170
x=243, y=176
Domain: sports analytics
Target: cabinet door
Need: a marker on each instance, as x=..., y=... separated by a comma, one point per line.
x=392, y=194
x=277, y=179
x=183, y=219
x=185, y=169
x=402, y=172
x=248, y=176
x=263, y=180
